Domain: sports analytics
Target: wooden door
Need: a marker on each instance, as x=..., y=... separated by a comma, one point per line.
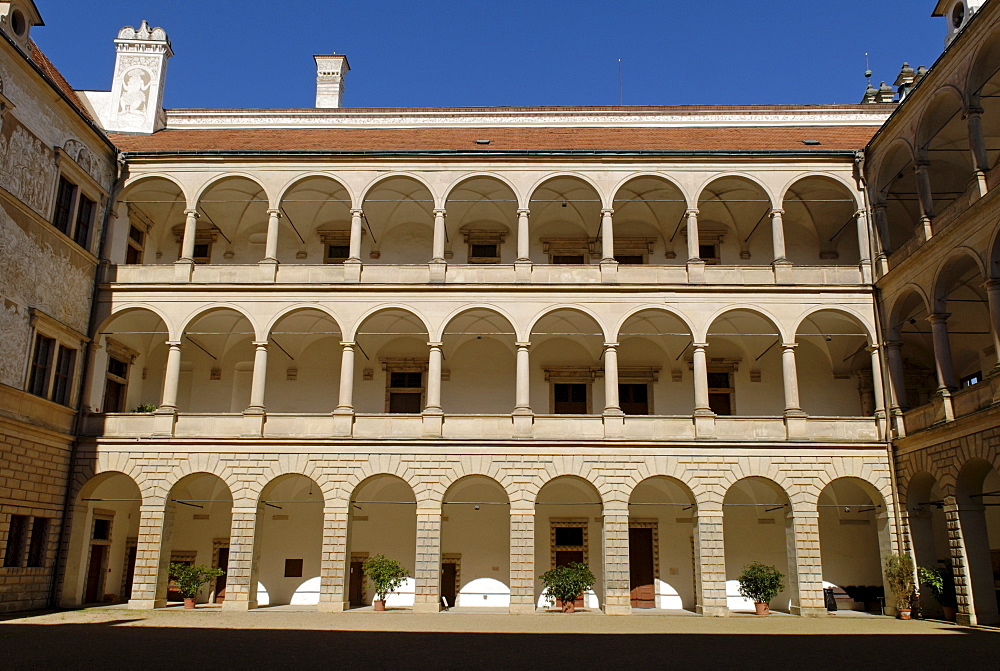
x=449, y=580
x=220, y=582
x=640, y=563
x=564, y=557
x=95, y=574
x=356, y=585
x=130, y=555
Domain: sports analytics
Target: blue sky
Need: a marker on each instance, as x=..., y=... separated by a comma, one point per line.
x=445, y=53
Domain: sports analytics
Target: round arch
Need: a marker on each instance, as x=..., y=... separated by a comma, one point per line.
x=836, y=372
x=214, y=181
x=459, y=181
x=300, y=307
x=542, y=181
x=820, y=221
x=486, y=307
x=298, y=179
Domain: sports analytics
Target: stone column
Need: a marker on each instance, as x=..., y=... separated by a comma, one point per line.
x=877, y=381
x=439, y=235
x=190, y=230
x=244, y=556
x=692, y=236
x=805, y=566
x=607, y=237
x=977, y=144
x=700, y=361
x=522, y=557
x=864, y=242
x=966, y=526
x=355, y=243
x=346, y=403
x=90, y=388
x=942, y=351
x=271, y=243
x=925, y=196
x=617, y=596
x=171, y=376
x=434, y=379
x=897, y=379
x=152, y=562
x=993, y=296
x=427, y=568
x=611, y=405
x=778, y=235
x=522, y=396
x=334, y=561
x=710, y=561
x=882, y=229
x=523, y=241
x=790, y=379
x=259, y=380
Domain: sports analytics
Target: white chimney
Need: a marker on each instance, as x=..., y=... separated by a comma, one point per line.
x=330, y=71
x=136, y=101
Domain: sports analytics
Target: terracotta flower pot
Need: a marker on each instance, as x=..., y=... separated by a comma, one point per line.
x=762, y=608
x=950, y=613
x=189, y=603
x=903, y=613
x=380, y=604
x=568, y=605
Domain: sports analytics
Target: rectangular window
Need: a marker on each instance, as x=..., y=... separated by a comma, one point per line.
x=720, y=393
x=202, y=252
x=568, y=259
x=630, y=259
x=337, y=253
x=41, y=366
x=569, y=398
x=970, y=380
x=62, y=386
x=709, y=253
x=116, y=384
x=136, y=244
x=572, y=536
x=293, y=568
x=634, y=398
x=63, y=216
x=84, y=220
x=102, y=529
x=39, y=542
x=15, y=540
x=406, y=389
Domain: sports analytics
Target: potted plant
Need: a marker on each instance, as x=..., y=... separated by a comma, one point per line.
x=190, y=578
x=385, y=574
x=760, y=583
x=145, y=407
x=940, y=582
x=565, y=584
x=898, y=569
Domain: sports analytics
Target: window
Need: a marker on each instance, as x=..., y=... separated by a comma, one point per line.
x=116, y=384
x=51, y=375
x=62, y=386
x=569, y=398
x=629, y=259
x=565, y=251
x=136, y=245
x=63, y=216
x=14, y=551
x=484, y=246
x=41, y=366
x=568, y=540
x=203, y=241
x=569, y=536
x=336, y=246
x=39, y=542
x=634, y=398
x=970, y=380
x=202, y=251
x=102, y=529
x=74, y=212
x=720, y=392
x=633, y=251
x=404, y=385
x=567, y=259
x=709, y=253
x=84, y=220
x=293, y=568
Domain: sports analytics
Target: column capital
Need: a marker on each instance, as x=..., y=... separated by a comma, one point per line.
x=274, y=212
x=991, y=284
x=173, y=343
x=893, y=344
x=777, y=212
x=348, y=343
x=523, y=345
x=691, y=211
x=260, y=344
x=921, y=164
x=607, y=211
x=789, y=346
x=357, y=212
x=523, y=212
x=699, y=345
x=435, y=345
x=439, y=212
x=611, y=345
x=938, y=317
x=970, y=112
x=192, y=213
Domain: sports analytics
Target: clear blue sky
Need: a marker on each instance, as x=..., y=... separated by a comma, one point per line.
x=443, y=53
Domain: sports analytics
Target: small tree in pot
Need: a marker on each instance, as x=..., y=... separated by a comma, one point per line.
x=898, y=571
x=940, y=582
x=760, y=583
x=190, y=578
x=385, y=575
x=565, y=584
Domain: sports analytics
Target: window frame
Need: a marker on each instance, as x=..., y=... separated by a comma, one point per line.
x=84, y=186
x=405, y=365
x=14, y=546
x=570, y=246
x=64, y=338
x=571, y=375
x=335, y=238
x=633, y=246
x=481, y=237
x=647, y=375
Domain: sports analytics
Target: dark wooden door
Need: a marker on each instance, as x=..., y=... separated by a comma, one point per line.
x=356, y=585
x=220, y=582
x=95, y=573
x=640, y=563
x=130, y=555
x=449, y=583
x=564, y=557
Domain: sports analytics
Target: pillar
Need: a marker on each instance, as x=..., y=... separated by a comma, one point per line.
x=271, y=243
x=346, y=403
x=190, y=230
x=611, y=406
x=522, y=395
x=993, y=296
x=967, y=538
x=522, y=557
x=778, y=235
x=790, y=379
x=90, y=389
x=897, y=379
x=942, y=351
x=523, y=246
x=152, y=558
x=692, y=235
x=334, y=560
x=171, y=376
x=873, y=350
x=617, y=594
x=607, y=236
x=439, y=235
x=977, y=145
x=925, y=195
x=244, y=556
x=355, y=243
x=700, y=364
x=882, y=229
x=434, y=378
x=709, y=561
x=805, y=566
x=427, y=566
x=259, y=380
x=864, y=242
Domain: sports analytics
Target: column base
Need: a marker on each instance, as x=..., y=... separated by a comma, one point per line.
x=522, y=424
x=438, y=268
x=609, y=271
x=183, y=270
x=614, y=424
x=696, y=271
x=352, y=270
x=267, y=270
x=427, y=607
x=253, y=423
x=521, y=609
x=164, y=420
x=231, y=604
x=146, y=604
x=796, y=427
x=704, y=424
x=522, y=272
x=343, y=422
x=866, y=272
x=617, y=610
x=332, y=606
x=712, y=611
x=433, y=424
x=783, y=271
x=808, y=611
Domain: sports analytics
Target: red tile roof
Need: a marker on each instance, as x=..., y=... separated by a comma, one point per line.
x=50, y=71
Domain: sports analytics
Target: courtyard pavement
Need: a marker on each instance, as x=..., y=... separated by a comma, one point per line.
x=117, y=638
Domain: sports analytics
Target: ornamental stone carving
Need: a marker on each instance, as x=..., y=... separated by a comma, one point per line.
x=27, y=169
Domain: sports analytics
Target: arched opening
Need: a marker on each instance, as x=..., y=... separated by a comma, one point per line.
x=398, y=214
x=316, y=222
x=649, y=222
x=744, y=365
x=101, y=562
x=480, y=359
x=566, y=348
x=217, y=358
x=149, y=212
x=199, y=512
x=944, y=136
x=984, y=93
x=232, y=224
x=734, y=223
x=960, y=295
x=383, y=521
x=391, y=373
x=928, y=531
x=756, y=515
x=661, y=536
x=897, y=204
x=481, y=222
x=303, y=363
x=565, y=222
x=853, y=538
x=289, y=539
x=910, y=352
x=834, y=367
x=475, y=544
x=820, y=223
x=129, y=363
x=653, y=379
x=569, y=528
x=977, y=492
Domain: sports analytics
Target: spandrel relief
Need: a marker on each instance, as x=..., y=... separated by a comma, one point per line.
x=27, y=169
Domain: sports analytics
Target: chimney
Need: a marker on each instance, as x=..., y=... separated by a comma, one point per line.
x=885, y=94
x=136, y=101
x=330, y=71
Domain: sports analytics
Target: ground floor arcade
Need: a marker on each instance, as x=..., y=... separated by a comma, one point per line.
x=476, y=527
